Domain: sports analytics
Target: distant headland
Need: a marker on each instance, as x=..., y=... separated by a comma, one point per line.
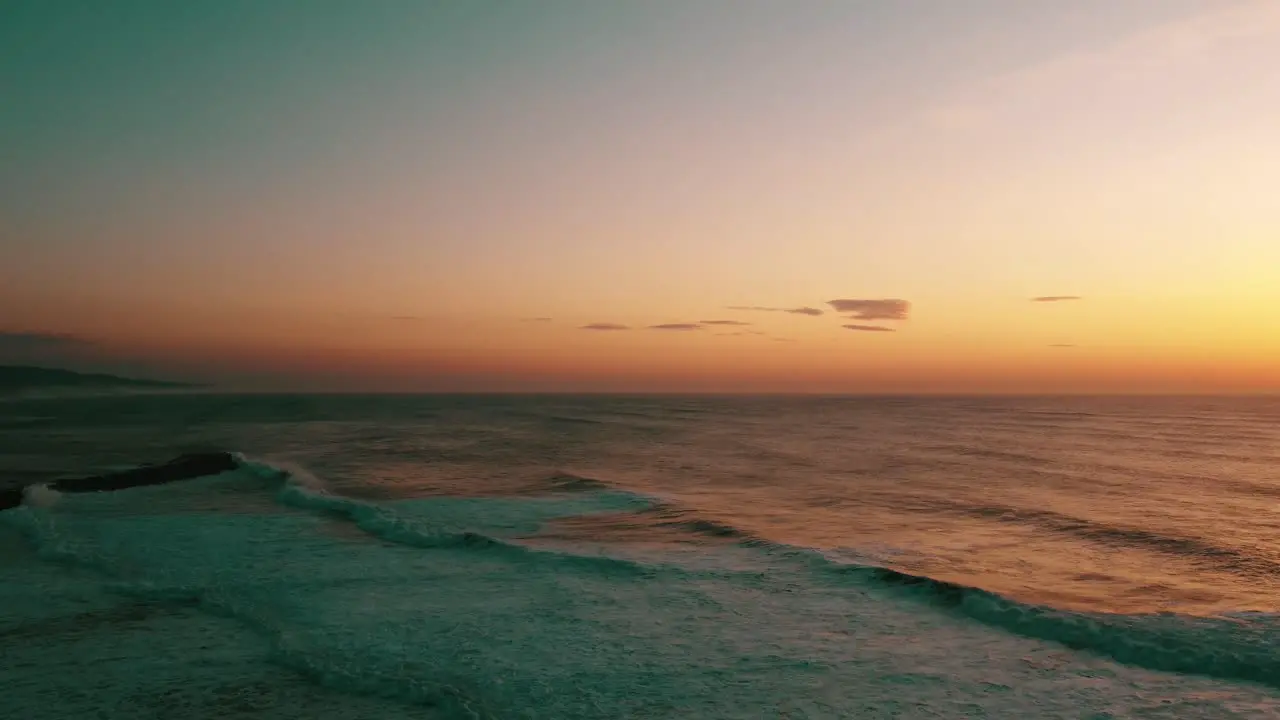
x=23, y=379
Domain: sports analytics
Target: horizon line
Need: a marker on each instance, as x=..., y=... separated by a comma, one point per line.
x=213, y=390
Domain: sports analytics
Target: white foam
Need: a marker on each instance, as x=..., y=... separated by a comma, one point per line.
x=296, y=474
x=41, y=496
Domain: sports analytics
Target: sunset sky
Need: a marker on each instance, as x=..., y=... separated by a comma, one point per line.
x=424, y=196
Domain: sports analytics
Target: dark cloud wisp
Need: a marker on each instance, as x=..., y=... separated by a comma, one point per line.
x=18, y=340
x=1056, y=298
x=881, y=309
x=676, y=326
x=869, y=328
x=23, y=347
x=605, y=326
x=736, y=323
x=794, y=311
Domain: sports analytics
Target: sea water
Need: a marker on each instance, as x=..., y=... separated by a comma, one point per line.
x=642, y=557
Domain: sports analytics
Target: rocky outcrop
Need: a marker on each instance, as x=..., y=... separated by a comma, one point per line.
x=183, y=467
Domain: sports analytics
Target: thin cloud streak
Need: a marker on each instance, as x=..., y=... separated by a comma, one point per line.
x=605, y=326
x=22, y=340
x=880, y=309
x=869, y=328
x=1165, y=49
x=1055, y=298
x=44, y=348
x=676, y=326
x=811, y=311
x=736, y=323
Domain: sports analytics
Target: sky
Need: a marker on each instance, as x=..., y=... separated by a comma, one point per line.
x=853, y=196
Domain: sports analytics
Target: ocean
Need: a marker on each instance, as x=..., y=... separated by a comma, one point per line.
x=644, y=557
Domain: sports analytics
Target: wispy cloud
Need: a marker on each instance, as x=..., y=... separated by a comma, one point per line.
x=869, y=328
x=882, y=309
x=11, y=340
x=536, y=319
x=794, y=311
x=1062, y=345
x=605, y=326
x=676, y=326
x=724, y=322
x=1146, y=60
x=42, y=347
x=1056, y=298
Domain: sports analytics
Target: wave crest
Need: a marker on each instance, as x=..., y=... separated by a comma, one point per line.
x=383, y=524
x=1230, y=648
x=568, y=482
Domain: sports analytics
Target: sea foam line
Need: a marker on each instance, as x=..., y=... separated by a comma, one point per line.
x=1233, y=648
x=306, y=492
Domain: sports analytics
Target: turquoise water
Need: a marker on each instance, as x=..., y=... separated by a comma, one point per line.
x=638, y=557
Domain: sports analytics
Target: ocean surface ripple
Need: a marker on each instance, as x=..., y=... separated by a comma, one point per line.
x=602, y=557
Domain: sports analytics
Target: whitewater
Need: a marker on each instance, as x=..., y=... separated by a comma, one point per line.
x=639, y=557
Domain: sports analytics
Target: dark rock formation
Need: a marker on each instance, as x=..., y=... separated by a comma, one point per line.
x=183, y=467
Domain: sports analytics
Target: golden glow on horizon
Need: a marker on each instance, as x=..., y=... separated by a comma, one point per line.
x=1136, y=171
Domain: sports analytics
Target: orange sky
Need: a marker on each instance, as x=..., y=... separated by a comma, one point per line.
x=382, y=198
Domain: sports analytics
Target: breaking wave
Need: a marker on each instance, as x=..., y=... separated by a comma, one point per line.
x=1238, y=648
x=1243, y=647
